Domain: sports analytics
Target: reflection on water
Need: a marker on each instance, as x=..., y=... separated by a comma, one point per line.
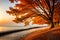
x=5, y=29
x=15, y=28
x=2, y=29
x=18, y=35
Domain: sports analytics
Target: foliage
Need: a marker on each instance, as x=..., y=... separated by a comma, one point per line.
x=37, y=11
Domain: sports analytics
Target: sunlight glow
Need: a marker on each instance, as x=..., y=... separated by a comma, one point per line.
x=19, y=2
x=4, y=17
x=1, y=16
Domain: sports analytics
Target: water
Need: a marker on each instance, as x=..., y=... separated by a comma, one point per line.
x=16, y=36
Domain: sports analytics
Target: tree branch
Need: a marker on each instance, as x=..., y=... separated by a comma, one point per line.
x=48, y=3
x=41, y=7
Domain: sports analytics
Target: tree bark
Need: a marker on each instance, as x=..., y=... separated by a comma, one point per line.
x=52, y=23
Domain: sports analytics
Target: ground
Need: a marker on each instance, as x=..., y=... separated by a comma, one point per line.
x=46, y=34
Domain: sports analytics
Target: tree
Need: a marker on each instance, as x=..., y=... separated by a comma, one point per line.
x=45, y=11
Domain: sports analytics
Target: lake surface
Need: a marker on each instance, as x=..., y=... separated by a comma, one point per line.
x=17, y=35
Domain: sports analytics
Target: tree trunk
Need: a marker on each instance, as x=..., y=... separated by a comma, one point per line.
x=52, y=24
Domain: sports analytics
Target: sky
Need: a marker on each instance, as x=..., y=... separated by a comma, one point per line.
x=6, y=19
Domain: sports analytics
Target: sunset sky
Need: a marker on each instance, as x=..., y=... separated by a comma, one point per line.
x=6, y=19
